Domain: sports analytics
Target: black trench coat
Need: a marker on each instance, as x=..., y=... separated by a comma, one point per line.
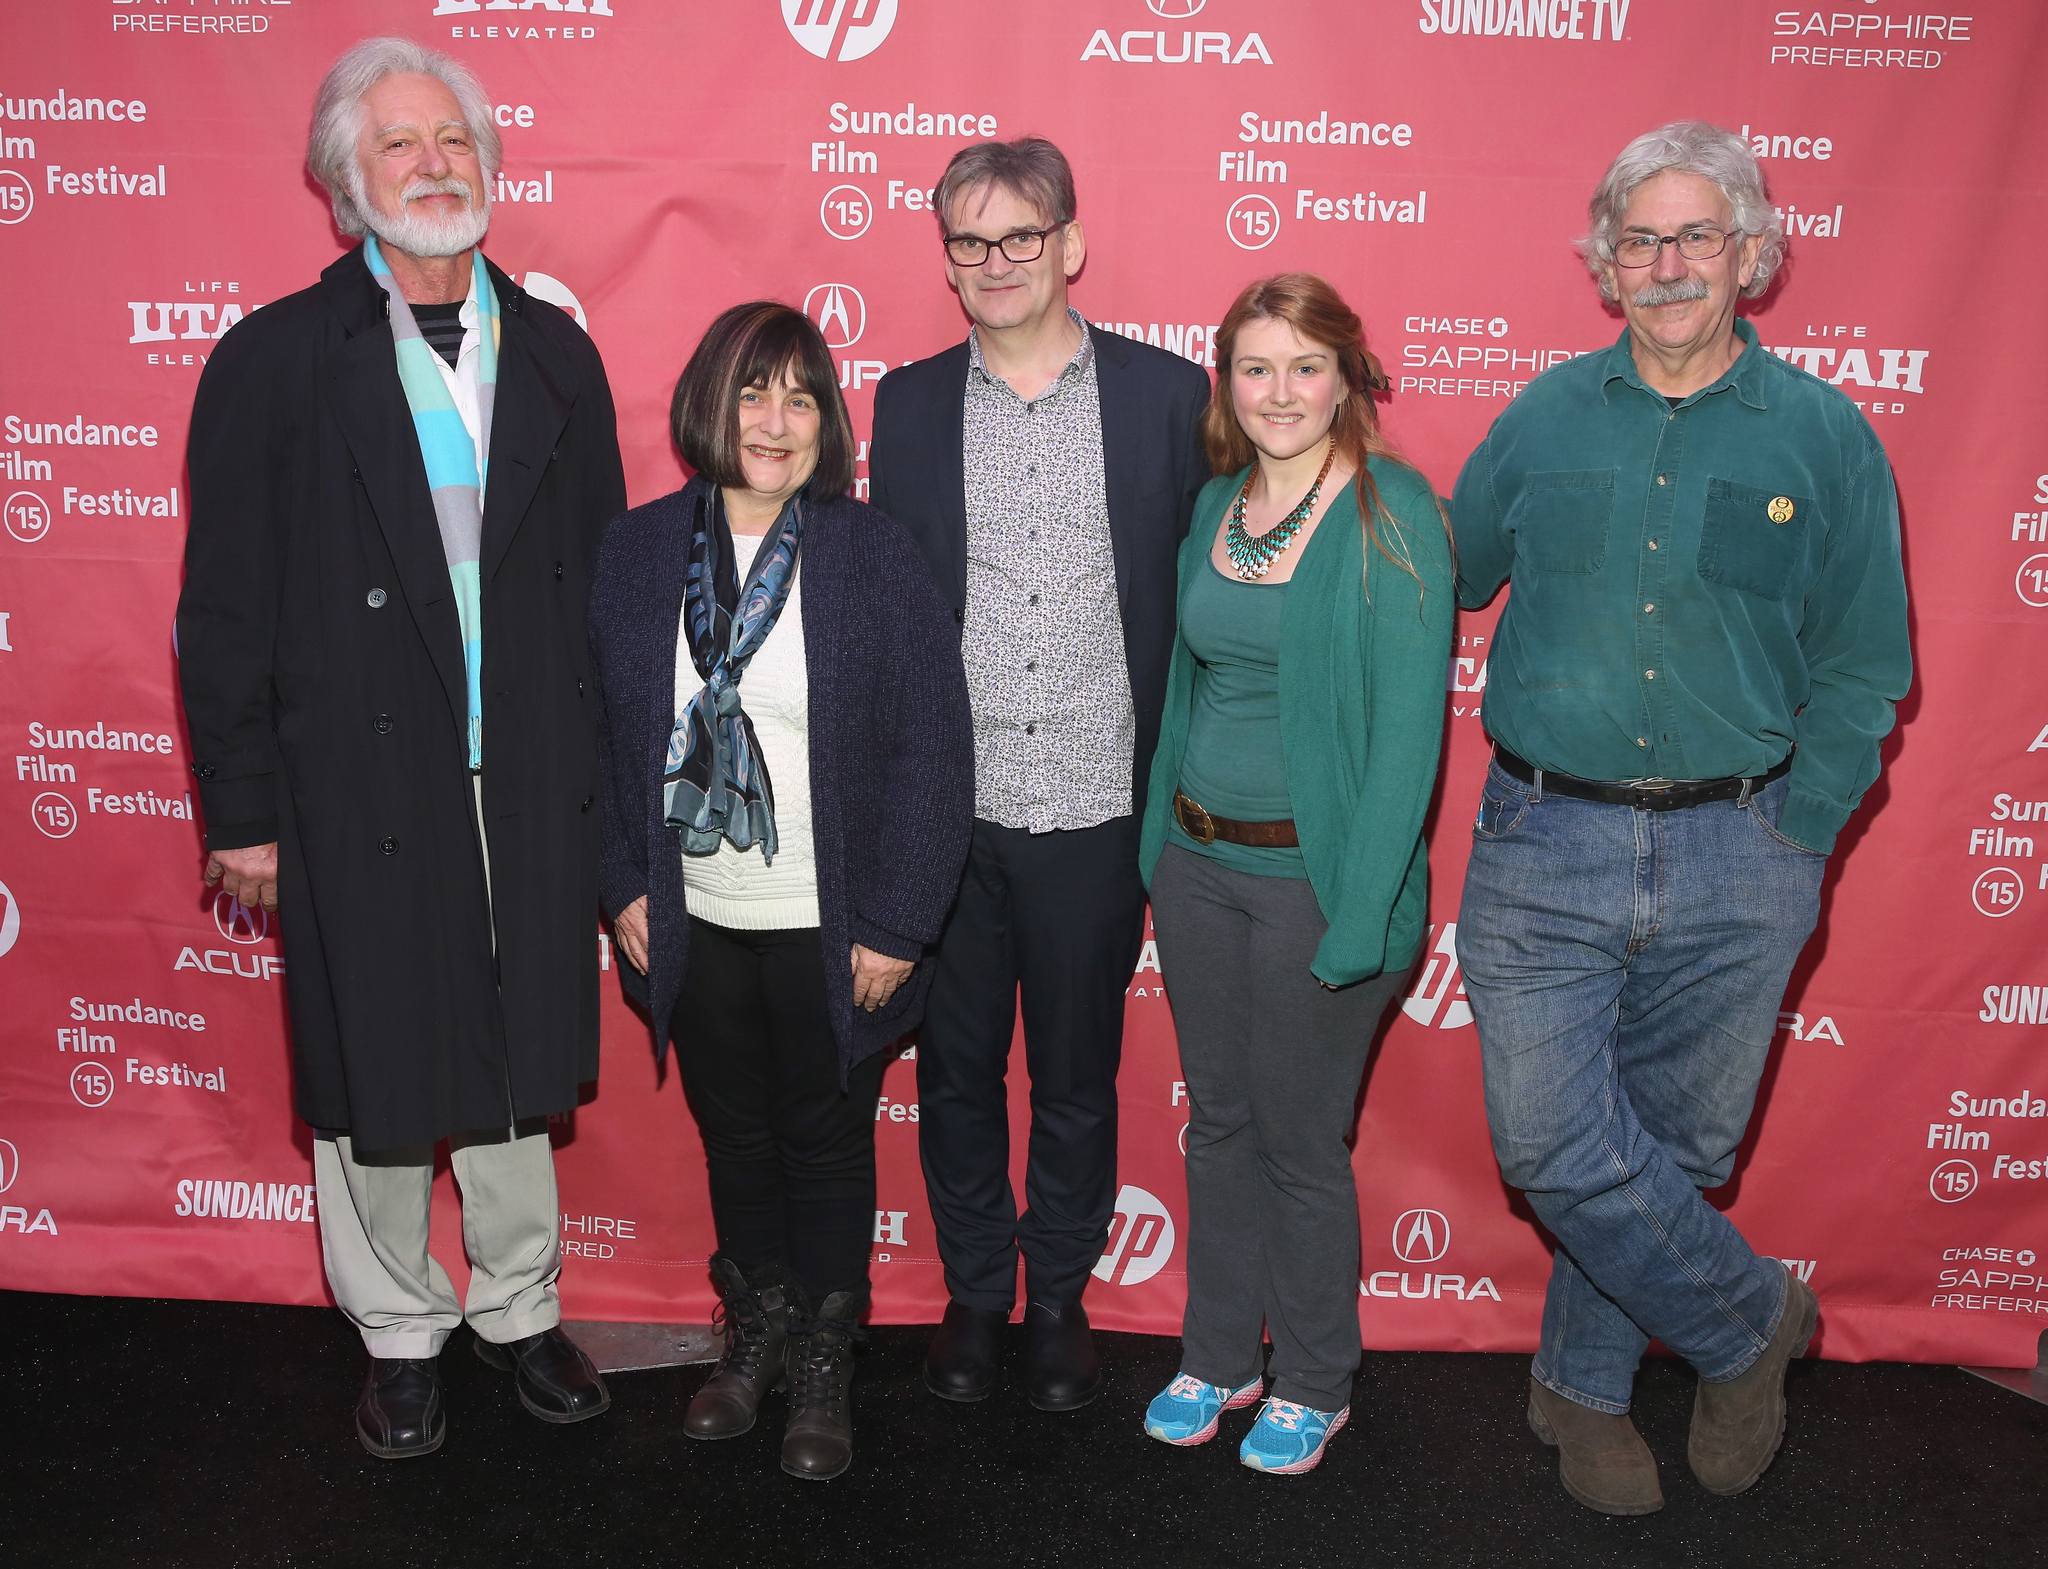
x=321, y=662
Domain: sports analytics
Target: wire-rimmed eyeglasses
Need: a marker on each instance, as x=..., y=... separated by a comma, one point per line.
x=1696, y=244
x=1020, y=245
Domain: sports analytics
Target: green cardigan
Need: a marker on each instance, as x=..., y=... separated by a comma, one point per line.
x=1361, y=717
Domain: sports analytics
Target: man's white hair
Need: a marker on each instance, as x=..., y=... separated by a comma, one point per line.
x=338, y=117
x=1688, y=147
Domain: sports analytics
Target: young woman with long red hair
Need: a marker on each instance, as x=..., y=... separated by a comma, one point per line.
x=1283, y=848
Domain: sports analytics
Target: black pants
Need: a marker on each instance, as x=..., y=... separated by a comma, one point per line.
x=1061, y=915
x=791, y=1157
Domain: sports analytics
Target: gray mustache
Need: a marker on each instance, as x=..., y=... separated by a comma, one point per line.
x=1677, y=292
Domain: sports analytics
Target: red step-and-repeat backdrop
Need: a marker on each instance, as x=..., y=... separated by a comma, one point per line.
x=1433, y=159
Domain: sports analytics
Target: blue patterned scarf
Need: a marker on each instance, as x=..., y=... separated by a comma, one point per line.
x=451, y=458
x=716, y=783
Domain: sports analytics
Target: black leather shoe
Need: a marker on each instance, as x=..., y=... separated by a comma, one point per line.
x=555, y=1380
x=1064, y=1371
x=960, y=1363
x=400, y=1413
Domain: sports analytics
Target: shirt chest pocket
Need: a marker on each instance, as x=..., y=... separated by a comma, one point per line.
x=1561, y=517
x=1752, y=538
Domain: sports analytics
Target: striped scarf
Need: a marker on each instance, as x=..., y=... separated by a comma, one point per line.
x=451, y=458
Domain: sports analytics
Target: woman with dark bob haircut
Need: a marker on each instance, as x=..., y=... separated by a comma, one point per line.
x=789, y=777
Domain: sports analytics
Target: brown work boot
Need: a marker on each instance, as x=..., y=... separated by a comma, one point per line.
x=755, y=1317
x=1737, y=1426
x=1601, y=1459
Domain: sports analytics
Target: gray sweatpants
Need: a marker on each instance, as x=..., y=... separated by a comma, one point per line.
x=1272, y=1062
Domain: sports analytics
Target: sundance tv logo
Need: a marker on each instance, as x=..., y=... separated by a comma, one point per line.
x=1140, y=1239
x=839, y=29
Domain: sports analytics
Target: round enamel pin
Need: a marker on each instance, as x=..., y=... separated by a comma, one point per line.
x=1780, y=509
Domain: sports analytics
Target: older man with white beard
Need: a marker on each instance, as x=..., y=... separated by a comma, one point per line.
x=399, y=480
x=1704, y=640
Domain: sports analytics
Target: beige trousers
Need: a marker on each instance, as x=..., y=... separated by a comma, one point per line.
x=374, y=1210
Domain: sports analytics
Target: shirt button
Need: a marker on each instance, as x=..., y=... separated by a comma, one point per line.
x=1653, y=544
x=1649, y=610
x=1649, y=675
x=1031, y=468
x=1641, y=742
x=1660, y=479
x=383, y=724
x=1032, y=534
x=1033, y=600
x=389, y=847
x=376, y=598
x=1030, y=664
x=1031, y=730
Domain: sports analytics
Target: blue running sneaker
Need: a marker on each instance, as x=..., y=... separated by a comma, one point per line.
x=1187, y=1410
x=1288, y=1439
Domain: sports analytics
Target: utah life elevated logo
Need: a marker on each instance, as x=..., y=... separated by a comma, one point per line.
x=839, y=29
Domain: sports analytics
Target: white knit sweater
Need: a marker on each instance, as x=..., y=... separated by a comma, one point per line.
x=737, y=888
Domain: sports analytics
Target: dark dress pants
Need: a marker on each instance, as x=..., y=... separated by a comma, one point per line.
x=1059, y=917
x=791, y=1156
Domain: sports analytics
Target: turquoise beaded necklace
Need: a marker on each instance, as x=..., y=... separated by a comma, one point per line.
x=1253, y=555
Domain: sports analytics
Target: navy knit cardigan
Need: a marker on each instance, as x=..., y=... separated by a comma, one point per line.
x=891, y=750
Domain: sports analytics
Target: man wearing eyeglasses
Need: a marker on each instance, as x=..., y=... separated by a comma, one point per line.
x=1700, y=653
x=1048, y=471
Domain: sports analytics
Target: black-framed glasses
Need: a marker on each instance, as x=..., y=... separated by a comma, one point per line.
x=1021, y=245
x=1641, y=250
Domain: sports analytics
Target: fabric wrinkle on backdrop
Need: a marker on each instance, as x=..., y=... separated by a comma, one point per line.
x=1433, y=160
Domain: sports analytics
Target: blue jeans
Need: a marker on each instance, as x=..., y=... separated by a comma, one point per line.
x=1625, y=970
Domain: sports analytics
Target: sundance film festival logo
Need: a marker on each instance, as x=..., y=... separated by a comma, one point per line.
x=1140, y=1239
x=1422, y=1236
x=1439, y=996
x=839, y=29
x=840, y=313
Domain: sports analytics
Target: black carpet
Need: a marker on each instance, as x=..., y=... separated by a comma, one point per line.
x=175, y=1433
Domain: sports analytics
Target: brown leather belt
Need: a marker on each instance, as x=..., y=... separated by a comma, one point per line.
x=1206, y=828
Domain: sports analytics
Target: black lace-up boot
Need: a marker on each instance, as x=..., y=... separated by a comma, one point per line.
x=818, y=1443
x=755, y=1316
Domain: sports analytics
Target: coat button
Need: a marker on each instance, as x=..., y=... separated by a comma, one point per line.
x=383, y=724
x=203, y=770
x=960, y=617
x=558, y=571
x=389, y=847
x=579, y=687
x=376, y=598
x=588, y=801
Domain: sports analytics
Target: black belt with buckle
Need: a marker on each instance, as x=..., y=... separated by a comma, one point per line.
x=1669, y=795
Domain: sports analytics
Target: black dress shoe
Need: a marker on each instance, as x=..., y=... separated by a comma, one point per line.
x=1064, y=1371
x=960, y=1363
x=400, y=1413
x=556, y=1381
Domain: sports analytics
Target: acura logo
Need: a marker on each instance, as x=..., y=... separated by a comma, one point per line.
x=840, y=313
x=839, y=29
x=10, y=1165
x=1421, y=1236
x=1176, y=10
x=240, y=922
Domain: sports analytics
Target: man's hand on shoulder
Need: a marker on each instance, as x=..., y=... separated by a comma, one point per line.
x=250, y=874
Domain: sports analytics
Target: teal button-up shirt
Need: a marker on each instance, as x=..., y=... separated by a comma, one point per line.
x=1694, y=590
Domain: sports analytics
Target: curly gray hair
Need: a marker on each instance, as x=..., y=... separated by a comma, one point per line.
x=1689, y=147
x=338, y=116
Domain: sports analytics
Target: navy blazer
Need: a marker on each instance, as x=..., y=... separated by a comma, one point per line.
x=1153, y=468
x=891, y=750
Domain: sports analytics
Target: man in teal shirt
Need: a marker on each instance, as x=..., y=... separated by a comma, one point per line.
x=1704, y=640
